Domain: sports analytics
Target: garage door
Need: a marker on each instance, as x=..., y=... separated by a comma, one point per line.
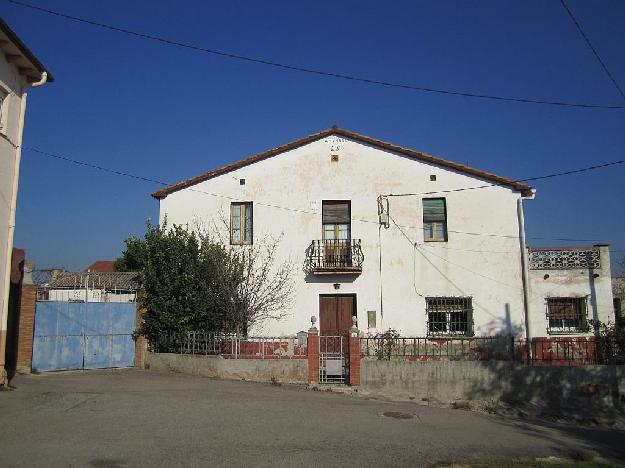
x=77, y=335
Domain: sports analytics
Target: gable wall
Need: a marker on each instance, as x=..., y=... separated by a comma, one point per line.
x=484, y=267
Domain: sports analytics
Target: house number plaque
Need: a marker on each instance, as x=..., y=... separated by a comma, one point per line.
x=335, y=143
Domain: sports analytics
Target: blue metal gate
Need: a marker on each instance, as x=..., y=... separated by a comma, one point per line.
x=79, y=335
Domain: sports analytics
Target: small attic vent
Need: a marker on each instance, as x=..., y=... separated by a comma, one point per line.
x=433, y=177
x=334, y=158
x=241, y=181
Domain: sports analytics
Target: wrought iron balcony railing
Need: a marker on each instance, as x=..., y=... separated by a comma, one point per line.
x=336, y=256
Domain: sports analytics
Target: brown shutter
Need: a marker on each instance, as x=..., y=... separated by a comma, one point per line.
x=335, y=212
x=434, y=210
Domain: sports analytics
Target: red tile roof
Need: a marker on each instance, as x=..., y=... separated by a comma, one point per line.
x=102, y=266
x=499, y=180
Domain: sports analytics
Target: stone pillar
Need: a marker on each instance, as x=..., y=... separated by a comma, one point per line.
x=313, y=353
x=354, y=356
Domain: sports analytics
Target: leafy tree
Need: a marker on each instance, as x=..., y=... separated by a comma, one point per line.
x=134, y=257
x=191, y=282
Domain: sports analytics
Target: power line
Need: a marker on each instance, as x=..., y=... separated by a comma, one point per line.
x=529, y=179
x=330, y=74
x=269, y=205
x=594, y=51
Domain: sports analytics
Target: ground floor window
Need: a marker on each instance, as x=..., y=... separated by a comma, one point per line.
x=449, y=315
x=567, y=314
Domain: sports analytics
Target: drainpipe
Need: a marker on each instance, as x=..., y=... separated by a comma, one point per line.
x=525, y=273
x=11, y=227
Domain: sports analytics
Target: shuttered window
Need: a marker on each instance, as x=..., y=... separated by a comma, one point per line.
x=336, y=220
x=241, y=223
x=335, y=212
x=434, y=219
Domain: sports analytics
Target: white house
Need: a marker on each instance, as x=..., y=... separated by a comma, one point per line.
x=95, y=286
x=19, y=70
x=397, y=238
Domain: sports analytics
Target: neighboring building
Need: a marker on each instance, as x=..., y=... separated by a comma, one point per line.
x=441, y=257
x=91, y=287
x=569, y=288
x=19, y=70
x=102, y=266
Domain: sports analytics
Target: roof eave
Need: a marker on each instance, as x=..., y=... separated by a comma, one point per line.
x=13, y=38
x=521, y=187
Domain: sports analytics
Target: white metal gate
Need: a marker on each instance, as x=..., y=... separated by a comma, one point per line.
x=333, y=359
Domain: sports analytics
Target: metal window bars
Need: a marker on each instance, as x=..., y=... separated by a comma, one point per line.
x=567, y=315
x=449, y=316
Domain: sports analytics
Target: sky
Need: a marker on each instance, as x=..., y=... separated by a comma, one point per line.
x=168, y=113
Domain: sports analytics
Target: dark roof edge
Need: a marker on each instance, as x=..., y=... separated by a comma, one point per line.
x=14, y=38
x=525, y=189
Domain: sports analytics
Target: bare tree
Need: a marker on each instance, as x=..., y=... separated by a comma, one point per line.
x=257, y=286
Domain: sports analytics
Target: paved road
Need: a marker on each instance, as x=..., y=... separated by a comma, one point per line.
x=141, y=418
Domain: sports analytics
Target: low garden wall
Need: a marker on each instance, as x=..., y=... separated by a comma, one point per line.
x=591, y=388
x=256, y=370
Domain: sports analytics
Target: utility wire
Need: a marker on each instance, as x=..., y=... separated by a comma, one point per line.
x=594, y=51
x=270, y=205
x=295, y=68
x=529, y=179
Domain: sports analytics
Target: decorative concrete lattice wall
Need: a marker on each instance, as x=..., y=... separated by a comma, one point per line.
x=564, y=259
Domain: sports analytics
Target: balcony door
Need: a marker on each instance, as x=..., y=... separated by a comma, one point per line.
x=336, y=220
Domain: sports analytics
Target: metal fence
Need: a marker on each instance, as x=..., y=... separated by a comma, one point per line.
x=495, y=348
x=574, y=351
x=231, y=346
x=555, y=351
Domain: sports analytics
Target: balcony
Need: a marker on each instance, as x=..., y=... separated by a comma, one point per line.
x=334, y=257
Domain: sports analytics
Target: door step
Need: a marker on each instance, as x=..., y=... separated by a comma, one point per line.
x=334, y=388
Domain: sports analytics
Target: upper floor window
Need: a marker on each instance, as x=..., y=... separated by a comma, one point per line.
x=434, y=220
x=567, y=314
x=336, y=220
x=241, y=223
x=449, y=315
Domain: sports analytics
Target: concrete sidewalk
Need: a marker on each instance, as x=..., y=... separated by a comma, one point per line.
x=141, y=418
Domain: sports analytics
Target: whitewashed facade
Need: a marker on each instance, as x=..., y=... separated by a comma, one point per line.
x=19, y=70
x=293, y=188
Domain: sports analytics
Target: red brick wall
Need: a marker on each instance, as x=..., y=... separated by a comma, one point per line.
x=354, y=361
x=313, y=356
x=26, y=327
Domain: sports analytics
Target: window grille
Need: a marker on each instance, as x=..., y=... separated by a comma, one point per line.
x=567, y=314
x=434, y=220
x=449, y=315
x=241, y=223
x=564, y=259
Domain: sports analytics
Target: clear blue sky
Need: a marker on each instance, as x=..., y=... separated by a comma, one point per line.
x=168, y=113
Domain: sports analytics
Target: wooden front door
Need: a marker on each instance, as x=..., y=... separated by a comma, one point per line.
x=335, y=314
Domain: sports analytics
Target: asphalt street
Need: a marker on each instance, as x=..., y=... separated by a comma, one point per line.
x=128, y=418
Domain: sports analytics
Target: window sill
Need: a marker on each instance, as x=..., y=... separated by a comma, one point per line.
x=565, y=332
